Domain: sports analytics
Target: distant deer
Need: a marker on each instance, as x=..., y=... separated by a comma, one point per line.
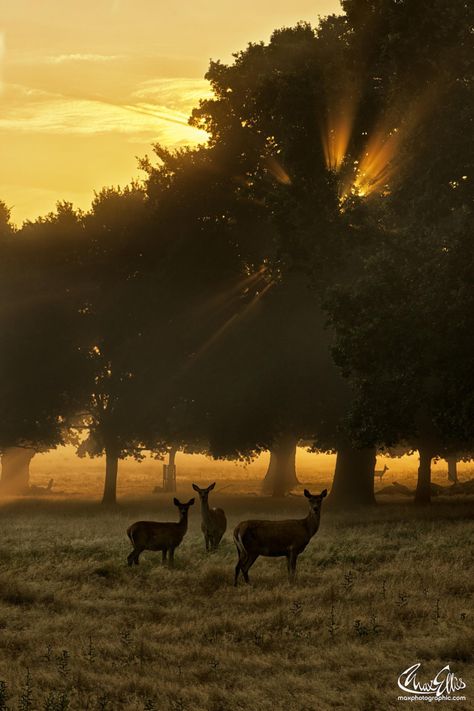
x=157, y=536
x=380, y=472
x=214, y=522
x=277, y=538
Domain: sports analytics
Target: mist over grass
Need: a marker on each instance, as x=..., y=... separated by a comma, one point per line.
x=84, y=477
x=374, y=594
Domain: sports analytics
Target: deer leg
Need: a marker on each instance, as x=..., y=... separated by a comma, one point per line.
x=134, y=556
x=245, y=567
x=206, y=538
x=236, y=574
x=171, y=557
x=239, y=566
x=163, y=556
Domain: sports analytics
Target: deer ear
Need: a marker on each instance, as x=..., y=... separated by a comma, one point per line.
x=175, y=501
x=195, y=487
x=191, y=501
x=210, y=488
x=324, y=493
x=307, y=494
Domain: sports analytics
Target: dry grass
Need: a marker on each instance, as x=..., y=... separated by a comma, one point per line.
x=80, y=630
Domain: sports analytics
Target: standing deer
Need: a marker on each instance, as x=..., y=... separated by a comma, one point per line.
x=157, y=536
x=380, y=472
x=277, y=538
x=214, y=522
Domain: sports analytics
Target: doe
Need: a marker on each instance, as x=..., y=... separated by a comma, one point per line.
x=277, y=538
x=380, y=472
x=157, y=536
x=214, y=522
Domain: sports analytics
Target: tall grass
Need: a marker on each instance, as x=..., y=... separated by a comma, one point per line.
x=79, y=630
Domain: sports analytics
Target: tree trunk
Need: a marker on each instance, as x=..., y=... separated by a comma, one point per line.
x=281, y=473
x=111, y=470
x=423, y=487
x=172, y=455
x=15, y=478
x=452, y=469
x=353, y=483
x=169, y=470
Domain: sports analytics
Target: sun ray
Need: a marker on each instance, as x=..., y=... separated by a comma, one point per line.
x=235, y=318
x=383, y=157
x=336, y=133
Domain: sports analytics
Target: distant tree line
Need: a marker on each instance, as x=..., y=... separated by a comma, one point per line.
x=304, y=277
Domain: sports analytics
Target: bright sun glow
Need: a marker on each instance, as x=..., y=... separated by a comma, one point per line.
x=379, y=163
x=336, y=134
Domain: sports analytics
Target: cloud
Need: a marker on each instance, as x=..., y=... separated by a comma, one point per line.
x=180, y=94
x=35, y=111
x=64, y=58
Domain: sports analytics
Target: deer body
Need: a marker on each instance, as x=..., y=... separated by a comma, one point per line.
x=214, y=522
x=158, y=536
x=380, y=472
x=276, y=538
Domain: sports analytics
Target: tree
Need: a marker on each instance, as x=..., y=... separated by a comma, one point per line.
x=42, y=375
x=167, y=275
x=203, y=286
x=403, y=326
x=116, y=233
x=270, y=108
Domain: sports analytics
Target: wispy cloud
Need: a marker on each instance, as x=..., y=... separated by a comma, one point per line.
x=179, y=93
x=41, y=112
x=65, y=58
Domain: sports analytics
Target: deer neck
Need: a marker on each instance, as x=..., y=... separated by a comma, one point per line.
x=183, y=522
x=205, y=512
x=312, y=522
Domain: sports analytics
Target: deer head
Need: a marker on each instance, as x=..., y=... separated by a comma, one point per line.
x=183, y=508
x=204, y=493
x=315, y=500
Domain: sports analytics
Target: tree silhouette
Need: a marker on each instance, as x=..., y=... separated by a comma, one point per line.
x=42, y=376
x=270, y=110
x=402, y=326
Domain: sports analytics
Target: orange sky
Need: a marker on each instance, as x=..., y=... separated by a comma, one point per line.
x=73, y=74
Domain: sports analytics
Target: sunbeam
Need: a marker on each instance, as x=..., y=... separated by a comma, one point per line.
x=235, y=318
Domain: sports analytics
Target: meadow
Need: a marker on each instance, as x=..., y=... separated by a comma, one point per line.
x=375, y=593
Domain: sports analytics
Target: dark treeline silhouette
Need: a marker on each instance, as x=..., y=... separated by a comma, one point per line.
x=304, y=277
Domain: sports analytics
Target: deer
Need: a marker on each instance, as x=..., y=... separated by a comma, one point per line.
x=380, y=472
x=158, y=536
x=214, y=522
x=277, y=538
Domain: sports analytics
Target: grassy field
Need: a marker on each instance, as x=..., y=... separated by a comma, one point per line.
x=80, y=630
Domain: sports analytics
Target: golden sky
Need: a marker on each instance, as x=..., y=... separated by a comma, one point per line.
x=87, y=86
